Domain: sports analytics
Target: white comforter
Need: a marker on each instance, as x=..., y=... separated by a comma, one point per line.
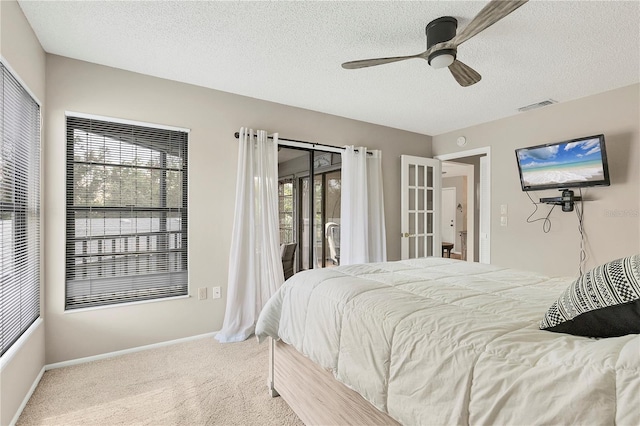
x=439, y=341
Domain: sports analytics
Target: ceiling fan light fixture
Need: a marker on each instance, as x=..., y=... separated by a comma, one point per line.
x=442, y=59
x=443, y=41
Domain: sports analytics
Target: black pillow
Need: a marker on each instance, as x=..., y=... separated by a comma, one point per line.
x=604, y=302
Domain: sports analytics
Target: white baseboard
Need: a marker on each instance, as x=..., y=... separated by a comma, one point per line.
x=26, y=398
x=125, y=351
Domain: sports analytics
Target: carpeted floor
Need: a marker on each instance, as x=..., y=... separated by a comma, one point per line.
x=200, y=382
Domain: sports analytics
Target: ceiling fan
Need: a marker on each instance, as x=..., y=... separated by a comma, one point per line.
x=443, y=42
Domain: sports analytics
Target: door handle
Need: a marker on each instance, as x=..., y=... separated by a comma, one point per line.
x=406, y=235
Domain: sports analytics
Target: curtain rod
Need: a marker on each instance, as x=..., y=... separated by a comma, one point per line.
x=313, y=144
x=237, y=135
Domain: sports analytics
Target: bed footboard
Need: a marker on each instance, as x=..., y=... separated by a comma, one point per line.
x=314, y=394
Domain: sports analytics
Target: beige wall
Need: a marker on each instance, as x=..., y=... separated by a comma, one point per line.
x=611, y=220
x=213, y=117
x=20, y=46
x=611, y=213
x=22, y=52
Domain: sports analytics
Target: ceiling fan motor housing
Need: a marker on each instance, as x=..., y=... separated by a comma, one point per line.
x=441, y=30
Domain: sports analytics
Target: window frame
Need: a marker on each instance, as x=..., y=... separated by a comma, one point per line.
x=144, y=294
x=32, y=193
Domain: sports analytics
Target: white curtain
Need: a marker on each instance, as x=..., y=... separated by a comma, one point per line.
x=362, y=231
x=255, y=266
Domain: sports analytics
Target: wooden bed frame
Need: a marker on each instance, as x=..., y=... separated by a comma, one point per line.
x=314, y=394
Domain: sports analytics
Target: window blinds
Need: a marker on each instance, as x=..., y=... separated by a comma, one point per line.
x=19, y=210
x=126, y=213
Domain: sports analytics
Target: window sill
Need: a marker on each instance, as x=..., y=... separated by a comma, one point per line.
x=119, y=305
x=15, y=348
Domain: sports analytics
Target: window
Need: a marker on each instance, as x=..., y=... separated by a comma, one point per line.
x=126, y=213
x=19, y=210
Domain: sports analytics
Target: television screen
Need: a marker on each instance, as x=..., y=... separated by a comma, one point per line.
x=575, y=163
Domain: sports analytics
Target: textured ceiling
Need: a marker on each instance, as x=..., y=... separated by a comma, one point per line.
x=290, y=52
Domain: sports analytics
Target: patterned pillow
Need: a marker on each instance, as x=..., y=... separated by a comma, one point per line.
x=604, y=302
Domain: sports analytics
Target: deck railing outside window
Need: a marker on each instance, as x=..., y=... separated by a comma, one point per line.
x=126, y=213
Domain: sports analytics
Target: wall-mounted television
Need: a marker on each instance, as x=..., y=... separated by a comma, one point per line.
x=575, y=163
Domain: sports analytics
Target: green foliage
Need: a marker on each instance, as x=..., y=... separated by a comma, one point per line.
x=114, y=175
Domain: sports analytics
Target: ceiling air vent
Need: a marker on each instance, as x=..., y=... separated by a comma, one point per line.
x=537, y=105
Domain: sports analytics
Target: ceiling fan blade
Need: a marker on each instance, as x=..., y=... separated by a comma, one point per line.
x=464, y=74
x=494, y=11
x=379, y=61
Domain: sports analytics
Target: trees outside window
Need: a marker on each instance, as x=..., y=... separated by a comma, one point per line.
x=126, y=212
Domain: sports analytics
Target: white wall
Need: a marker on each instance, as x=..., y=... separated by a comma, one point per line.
x=213, y=117
x=22, y=52
x=460, y=184
x=611, y=213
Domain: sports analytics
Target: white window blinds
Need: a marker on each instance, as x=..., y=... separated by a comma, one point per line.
x=126, y=213
x=19, y=210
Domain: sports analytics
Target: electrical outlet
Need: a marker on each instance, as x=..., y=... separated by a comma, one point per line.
x=216, y=292
x=202, y=293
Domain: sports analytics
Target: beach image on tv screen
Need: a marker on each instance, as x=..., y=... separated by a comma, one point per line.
x=564, y=163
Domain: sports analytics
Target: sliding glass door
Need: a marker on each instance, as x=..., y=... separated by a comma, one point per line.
x=320, y=248
x=286, y=211
x=325, y=240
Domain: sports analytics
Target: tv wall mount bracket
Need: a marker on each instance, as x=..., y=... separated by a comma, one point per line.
x=566, y=200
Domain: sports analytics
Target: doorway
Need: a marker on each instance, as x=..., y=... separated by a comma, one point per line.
x=448, y=215
x=478, y=200
x=461, y=177
x=304, y=206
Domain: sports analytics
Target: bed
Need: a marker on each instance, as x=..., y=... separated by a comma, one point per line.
x=440, y=341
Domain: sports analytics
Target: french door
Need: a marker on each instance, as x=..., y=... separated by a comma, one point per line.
x=421, y=183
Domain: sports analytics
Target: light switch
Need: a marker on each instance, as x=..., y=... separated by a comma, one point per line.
x=504, y=209
x=503, y=221
x=202, y=293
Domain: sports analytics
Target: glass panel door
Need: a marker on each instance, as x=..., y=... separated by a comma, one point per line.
x=326, y=219
x=309, y=215
x=286, y=210
x=318, y=221
x=420, y=201
x=332, y=217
